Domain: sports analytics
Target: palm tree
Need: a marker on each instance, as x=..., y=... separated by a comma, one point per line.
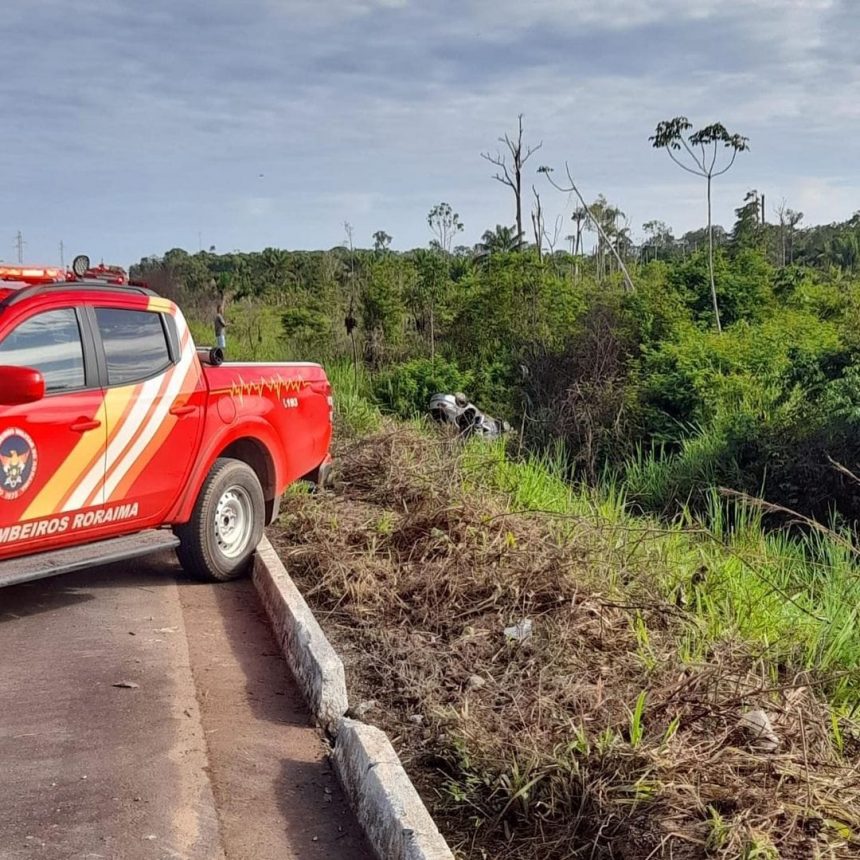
x=276, y=264
x=502, y=240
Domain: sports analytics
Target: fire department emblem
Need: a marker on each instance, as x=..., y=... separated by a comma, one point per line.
x=18, y=459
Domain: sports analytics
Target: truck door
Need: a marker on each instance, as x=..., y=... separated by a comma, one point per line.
x=155, y=402
x=52, y=450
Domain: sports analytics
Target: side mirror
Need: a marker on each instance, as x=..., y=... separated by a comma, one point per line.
x=19, y=385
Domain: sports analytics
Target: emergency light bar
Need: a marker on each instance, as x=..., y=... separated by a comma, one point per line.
x=81, y=271
x=33, y=274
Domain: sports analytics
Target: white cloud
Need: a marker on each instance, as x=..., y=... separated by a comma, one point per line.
x=375, y=110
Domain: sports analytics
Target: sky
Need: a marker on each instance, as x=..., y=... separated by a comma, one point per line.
x=130, y=127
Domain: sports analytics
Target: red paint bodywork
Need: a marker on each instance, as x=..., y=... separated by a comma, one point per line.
x=156, y=440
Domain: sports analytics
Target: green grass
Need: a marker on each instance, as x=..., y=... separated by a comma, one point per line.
x=796, y=598
x=661, y=480
x=355, y=412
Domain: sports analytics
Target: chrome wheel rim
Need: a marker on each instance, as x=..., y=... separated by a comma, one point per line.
x=234, y=522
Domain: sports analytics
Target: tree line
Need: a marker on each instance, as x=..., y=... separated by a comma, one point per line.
x=723, y=357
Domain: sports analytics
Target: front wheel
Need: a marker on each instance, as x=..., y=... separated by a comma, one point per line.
x=227, y=523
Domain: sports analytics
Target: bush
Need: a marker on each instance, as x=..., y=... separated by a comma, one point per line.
x=406, y=389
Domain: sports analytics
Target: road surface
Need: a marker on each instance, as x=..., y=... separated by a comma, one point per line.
x=143, y=715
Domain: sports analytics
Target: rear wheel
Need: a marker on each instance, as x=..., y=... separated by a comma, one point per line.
x=219, y=540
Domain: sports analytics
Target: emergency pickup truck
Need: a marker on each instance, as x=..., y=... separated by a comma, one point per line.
x=119, y=437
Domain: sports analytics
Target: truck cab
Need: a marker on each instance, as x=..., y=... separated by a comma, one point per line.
x=118, y=437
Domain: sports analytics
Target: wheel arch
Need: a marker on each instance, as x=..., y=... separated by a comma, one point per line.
x=253, y=453
x=254, y=444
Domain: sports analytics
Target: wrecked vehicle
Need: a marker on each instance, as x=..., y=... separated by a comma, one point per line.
x=455, y=410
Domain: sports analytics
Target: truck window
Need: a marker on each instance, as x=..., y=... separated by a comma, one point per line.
x=49, y=342
x=135, y=344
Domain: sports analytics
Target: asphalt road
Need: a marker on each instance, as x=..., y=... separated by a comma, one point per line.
x=143, y=715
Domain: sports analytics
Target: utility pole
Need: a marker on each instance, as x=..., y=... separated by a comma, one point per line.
x=62, y=255
x=19, y=244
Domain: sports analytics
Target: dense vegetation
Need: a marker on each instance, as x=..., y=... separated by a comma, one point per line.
x=633, y=413
x=637, y=384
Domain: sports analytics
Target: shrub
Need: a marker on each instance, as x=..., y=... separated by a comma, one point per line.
x=406, y=389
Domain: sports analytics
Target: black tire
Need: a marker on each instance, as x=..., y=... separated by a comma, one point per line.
x=218, y=542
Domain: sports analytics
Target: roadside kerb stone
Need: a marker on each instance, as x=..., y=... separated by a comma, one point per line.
x=389, y=810
x=387, y=806
x=314, y=663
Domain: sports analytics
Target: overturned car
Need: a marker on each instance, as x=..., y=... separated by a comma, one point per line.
x=455, y=410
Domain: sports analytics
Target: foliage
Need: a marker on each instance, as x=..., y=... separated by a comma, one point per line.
x=304, y=322
x=635, y=383
x=406, y=390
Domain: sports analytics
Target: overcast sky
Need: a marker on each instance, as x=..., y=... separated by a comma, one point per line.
x=133, y=126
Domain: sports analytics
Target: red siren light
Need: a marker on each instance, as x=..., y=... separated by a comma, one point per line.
x=33, y=274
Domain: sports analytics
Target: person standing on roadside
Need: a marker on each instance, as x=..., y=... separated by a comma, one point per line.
x=220, y=327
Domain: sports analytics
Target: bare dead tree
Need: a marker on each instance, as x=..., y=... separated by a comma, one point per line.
x=628, y=281
x=512, y=174
x=552, y=241
x=788, y=221
x=537, y=224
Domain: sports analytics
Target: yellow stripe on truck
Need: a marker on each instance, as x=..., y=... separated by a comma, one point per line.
x=50, y=497
x=159, y=305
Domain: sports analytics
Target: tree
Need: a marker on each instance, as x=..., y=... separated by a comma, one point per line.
x=788, y=221
x=659, y=238
x=692, y=240
x=699, y=155
x=580, y=218
x=350, y=321
x=500, y=241
x=428, y=290
x=381, y=241
x=444, y=223
x=537, y=224
x=603, y=219
x=552, y=240
x=842, y=251
x=748, y=231
x=592, y=219
x=276, y=272
x=512, y=174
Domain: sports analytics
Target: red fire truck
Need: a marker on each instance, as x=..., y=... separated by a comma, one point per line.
x=119, y=437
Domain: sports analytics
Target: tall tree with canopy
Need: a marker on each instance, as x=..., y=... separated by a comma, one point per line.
x=698, y=152
x=445, y=224
x=381, y=241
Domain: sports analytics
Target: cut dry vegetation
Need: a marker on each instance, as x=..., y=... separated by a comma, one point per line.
x=569, y=683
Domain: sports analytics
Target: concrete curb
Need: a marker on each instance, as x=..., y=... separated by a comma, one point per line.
x=386, y=803
x=314, y=663
x=389, y=810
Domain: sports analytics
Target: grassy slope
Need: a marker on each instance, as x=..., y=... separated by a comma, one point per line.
x=616, y=729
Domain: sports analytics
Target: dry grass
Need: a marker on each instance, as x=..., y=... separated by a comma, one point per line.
x=611, y=732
